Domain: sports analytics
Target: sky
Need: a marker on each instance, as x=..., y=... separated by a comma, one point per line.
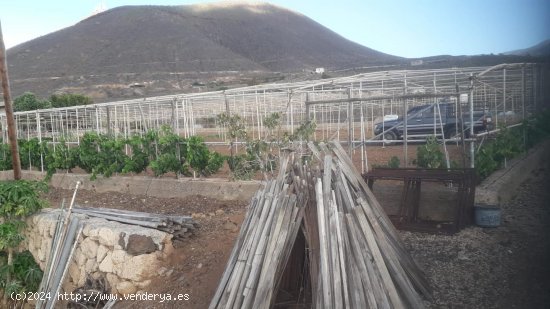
x=406, y=28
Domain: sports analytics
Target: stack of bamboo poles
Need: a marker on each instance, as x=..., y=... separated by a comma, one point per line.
x=356, y=258
x=265, y=241
x=179, y=226
x=67, y=233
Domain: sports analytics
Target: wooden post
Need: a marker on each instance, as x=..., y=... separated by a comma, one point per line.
x=12, y=130
x=108, y=111
x=350, y=125
x=405, y=124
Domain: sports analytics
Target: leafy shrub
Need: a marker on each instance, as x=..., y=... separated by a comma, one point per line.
x=138, y=160
x=537, y=128
x=27, y=271
x=506, y=145
x=28, y=102
x=241, y=166
x=60, y=157
x=69, y=99
x=29, y=152
x=5, y=157
x=101, y=154
x=429, y=155
x=166, y=162
x=18, y=200
x=394, y=162
x=199, y=158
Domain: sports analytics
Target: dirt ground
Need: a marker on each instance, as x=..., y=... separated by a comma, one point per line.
x=196, y=264
x=504, y=267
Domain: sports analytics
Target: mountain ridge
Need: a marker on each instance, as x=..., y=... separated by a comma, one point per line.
x=170, y=49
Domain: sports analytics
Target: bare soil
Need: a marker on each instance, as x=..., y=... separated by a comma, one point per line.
x=196, y=264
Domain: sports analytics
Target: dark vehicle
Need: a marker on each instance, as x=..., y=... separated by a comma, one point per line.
x=425, y=120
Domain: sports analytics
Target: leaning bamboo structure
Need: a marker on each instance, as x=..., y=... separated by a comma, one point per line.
x=355, y=255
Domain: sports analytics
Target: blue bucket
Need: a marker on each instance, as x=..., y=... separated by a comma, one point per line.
x=487, y=216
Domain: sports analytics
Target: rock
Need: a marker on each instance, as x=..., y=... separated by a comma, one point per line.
x=91, y=266
x=161, y=271
x=89, y=248
x=52, y=230
x=106, y=265
x=113, y=280
x=140, y=244
x=142, y=284
x=126, y=287
x=230, y=226
x=108, y=237
x=118, y=256
x=220, y=212
x=74, y=272
x=101, y=253
x=133, y=269
x=80, y=258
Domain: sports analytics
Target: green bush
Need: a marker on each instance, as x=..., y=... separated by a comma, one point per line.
x=69, y=99
x=429, y=155
x=99, y=154
x=18, y=200
x=28, y=102
x=394, y=162
x=5, y=157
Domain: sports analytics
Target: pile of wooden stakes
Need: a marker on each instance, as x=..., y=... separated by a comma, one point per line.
x=65, y=239
x=355, y=256
x=179, y=226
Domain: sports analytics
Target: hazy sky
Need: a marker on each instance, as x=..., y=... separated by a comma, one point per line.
x=407, y=28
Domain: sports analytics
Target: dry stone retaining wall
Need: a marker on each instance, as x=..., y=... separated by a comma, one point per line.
x=127, y=257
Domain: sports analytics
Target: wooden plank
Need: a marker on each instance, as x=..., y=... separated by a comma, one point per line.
x=361, y=256
x=334, y=255
x=379, y=260
x=341, y=254
x=323, y=247
x=360, y=292
x=389, y=229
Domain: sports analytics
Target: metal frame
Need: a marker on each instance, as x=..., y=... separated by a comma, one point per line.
x=343, y=108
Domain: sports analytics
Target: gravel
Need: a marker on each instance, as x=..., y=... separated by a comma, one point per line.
x=503, y=267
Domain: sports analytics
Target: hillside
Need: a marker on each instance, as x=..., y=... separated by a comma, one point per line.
x=540, y=50
x=150, y=44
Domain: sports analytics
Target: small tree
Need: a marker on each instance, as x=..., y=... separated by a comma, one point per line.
x=429, y=155
x=28, y=102
x=18, y=200
x=305, y=131
x=235, y=127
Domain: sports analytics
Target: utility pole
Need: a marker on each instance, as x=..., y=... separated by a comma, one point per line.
x=12, y=133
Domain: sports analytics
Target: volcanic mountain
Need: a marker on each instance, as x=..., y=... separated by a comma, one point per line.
x=154, y=43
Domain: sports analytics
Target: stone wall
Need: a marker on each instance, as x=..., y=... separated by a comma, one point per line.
x=127, y=257
x=501, y=186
